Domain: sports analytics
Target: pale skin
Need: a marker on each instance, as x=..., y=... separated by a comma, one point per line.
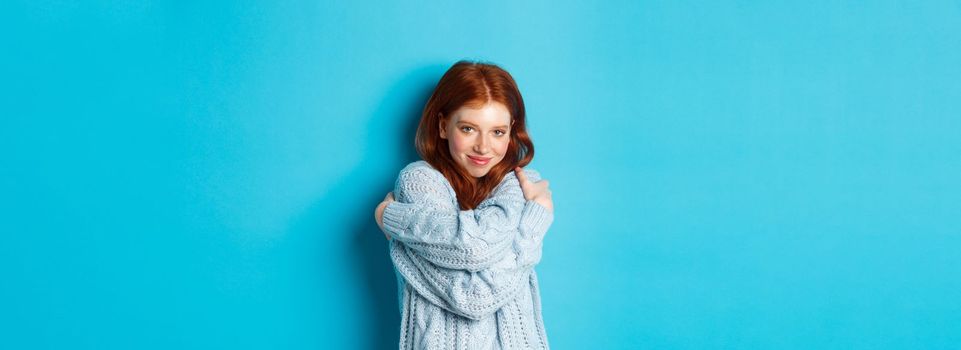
x=478, y=138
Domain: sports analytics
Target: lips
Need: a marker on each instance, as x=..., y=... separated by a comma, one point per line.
x=479, y=160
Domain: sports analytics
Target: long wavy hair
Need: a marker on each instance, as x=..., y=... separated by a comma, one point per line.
x=473, y=84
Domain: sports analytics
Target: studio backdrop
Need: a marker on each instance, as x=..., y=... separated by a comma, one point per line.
x=752, y=175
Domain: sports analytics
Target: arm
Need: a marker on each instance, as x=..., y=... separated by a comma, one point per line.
x=425, y=217
x=474, y=295
x=471, y=289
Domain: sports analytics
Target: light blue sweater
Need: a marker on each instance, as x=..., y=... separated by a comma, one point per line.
x=466, y=277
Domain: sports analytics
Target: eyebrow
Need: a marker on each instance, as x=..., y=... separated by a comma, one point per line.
x=472, y=124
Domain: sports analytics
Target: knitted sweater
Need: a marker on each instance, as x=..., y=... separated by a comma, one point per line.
x=466, y=277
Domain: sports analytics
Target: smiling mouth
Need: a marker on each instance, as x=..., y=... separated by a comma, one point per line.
x=479, y=160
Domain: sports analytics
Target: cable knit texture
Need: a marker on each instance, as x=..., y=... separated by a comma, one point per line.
x=466, y=277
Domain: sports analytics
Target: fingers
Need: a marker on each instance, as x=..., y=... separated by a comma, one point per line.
x=379, y=212
x=521, y=176
x=525, y=184
x=378, y=215
x=542, y=186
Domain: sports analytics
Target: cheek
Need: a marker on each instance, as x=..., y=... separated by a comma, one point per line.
x=458, y=144
x=501, y=146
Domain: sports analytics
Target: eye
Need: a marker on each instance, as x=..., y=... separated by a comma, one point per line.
x=502, y=132
x=466, y=129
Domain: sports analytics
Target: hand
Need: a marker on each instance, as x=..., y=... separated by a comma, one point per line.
x=379, y=212
x=535, y=191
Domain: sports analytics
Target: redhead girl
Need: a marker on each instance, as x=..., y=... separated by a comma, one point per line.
x=465, y=224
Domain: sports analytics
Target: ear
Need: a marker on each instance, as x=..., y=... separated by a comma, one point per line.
x=443, y=127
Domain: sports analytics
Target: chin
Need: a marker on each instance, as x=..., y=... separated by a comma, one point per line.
x=478, y=173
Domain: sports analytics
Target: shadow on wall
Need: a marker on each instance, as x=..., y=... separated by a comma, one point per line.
x=388, y=148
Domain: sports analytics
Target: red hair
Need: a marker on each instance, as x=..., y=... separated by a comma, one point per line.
x=473, y=84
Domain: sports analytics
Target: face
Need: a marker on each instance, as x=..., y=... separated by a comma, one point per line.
x=478, y=137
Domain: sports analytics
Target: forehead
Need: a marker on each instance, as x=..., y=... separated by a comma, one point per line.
x=492, y=114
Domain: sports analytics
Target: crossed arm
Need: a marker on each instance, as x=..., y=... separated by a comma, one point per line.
x=469, y=262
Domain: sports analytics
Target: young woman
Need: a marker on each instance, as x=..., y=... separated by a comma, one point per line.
x=466, y=223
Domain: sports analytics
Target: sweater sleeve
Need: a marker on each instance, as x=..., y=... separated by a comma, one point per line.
x=425, y=217
x=471, y=294
x=469, y=262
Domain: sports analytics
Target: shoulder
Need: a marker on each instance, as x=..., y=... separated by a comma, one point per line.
x=420, y=181
x=511, y=185
x=421, y=165
x=419, y=171
x=532, y=175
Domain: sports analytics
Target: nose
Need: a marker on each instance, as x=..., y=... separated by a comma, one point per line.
x=482, y=145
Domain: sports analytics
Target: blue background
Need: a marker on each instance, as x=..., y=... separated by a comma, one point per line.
x=771, y=175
